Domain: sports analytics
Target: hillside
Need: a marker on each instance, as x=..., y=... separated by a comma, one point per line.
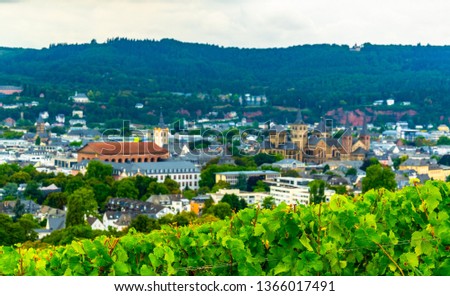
x=325, y=77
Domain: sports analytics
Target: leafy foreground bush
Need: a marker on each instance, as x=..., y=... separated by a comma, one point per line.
x=379, y=233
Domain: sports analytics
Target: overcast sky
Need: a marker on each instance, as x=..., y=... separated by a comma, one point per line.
x=242, y=23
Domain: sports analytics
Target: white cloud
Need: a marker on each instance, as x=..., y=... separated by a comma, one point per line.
x=248, y=23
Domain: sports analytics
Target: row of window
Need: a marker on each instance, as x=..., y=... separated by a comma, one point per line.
x=124, y=160
x=179, y=177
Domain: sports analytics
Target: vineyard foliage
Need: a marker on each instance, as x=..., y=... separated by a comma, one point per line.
x=379, y=233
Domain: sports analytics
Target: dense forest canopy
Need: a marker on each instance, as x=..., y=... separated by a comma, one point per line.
x=324, y=76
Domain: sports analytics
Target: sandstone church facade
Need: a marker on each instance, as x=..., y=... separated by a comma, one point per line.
x=318, y=145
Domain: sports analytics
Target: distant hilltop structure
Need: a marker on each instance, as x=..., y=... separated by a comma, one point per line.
x=8, y=90
x=79, y=98
x=356, y=47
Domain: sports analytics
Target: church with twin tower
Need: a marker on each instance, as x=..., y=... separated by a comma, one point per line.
x=316, y=145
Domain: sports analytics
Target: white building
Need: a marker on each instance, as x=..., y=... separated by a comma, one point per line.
x=60, y=118
x=249, y=197
x=183, y=172
x=293, y=191
x=80, y=98
x=77, y=113
x=233, y=177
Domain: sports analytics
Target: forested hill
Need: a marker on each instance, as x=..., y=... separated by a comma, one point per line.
x=323, y=76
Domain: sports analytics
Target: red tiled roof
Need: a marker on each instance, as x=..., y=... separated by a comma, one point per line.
x=122, y=148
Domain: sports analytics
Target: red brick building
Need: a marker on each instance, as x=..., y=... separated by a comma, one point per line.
x=121, y=152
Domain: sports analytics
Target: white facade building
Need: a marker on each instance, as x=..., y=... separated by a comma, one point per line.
x=185, y=173
x=293, y=191
x=249, y=197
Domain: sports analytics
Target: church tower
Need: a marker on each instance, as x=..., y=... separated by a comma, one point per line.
x=364, y=135
x=323, y=130
x=299, y=131
x=347, y=138
x=161, y=133
x=40, y=125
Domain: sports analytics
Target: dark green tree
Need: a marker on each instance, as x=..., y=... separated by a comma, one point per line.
x=126, y=188
x=10, y=189
x=142, y=183
x=56, y=200
x=351, y=172
x=33, y=192
x=96, y=169
x=261, y=187
x=317, y=191
x=262, y=158
x=143, y=223
x=172, y=185
x=20, y=177
x=241, y=183
x=443, y=140
x=220, y=185
x=221, y=210
x=369, y=162
x=184, y=218
x=235, y=203
x=290, y=173
x=81, y=203
x=268, y=202
x=27, y=225
x=208, y=203
x=378, y=176
x=18, y=210
x=73, y=183
x=157, y=188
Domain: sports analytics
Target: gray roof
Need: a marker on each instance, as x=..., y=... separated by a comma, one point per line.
x=164, y=198
x=299, y=118
x=278, y=128
x=91, y=220
x=415, y=162
x=288, y=146
x=56, y=222
x=162, y=167
x=133, y=205
x=287, y=161
x=84, y=132
x=249, y=173
x=161, y=120
x=360, y=151
x=113, y=215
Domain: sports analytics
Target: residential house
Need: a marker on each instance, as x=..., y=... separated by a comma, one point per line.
x=175, y=202
x=95, y=223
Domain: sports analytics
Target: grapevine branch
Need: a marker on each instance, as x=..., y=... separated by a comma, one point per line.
x=390, y=258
